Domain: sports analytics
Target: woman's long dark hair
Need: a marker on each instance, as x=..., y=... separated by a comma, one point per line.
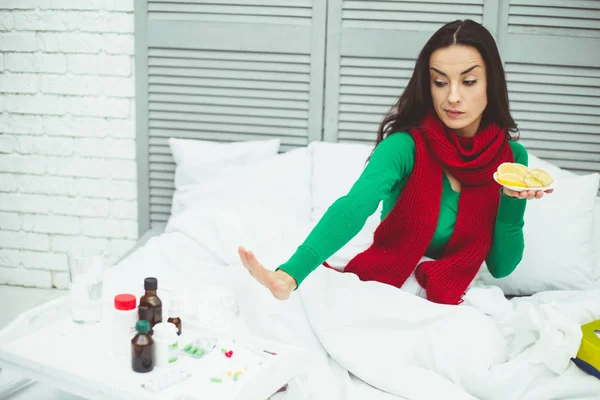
x=415, y=101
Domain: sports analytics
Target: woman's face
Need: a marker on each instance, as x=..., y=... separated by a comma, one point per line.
x=458, y=87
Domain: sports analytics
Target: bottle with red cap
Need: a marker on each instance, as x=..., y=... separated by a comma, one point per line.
x=124, y=318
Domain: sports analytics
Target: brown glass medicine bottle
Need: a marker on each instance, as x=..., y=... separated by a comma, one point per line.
x=142, y=348
x=150, y=307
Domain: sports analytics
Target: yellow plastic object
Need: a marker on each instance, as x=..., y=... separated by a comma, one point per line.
x=590, y=344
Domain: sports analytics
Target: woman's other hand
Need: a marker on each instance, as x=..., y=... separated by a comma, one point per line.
x=526, y=194
x=278, y=282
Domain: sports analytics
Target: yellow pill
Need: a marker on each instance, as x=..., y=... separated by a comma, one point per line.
x=229, y=373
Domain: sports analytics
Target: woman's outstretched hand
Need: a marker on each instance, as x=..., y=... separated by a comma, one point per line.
x=526, y=194
x=278, y=282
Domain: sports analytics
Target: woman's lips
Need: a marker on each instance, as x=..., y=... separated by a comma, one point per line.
x=453, y=113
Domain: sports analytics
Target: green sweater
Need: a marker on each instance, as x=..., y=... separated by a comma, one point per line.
x=382, y=180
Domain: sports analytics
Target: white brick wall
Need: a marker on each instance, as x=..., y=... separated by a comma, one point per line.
x=67, y=135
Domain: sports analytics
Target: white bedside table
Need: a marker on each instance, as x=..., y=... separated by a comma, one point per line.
x=44, y=345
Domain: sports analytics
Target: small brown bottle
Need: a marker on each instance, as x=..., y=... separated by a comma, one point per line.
x=142, y=348
x=150, y=308
x=174, y=311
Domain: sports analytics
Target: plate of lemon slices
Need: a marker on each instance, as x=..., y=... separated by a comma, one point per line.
x=518, y=177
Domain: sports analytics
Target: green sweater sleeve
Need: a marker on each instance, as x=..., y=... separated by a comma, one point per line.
x=508, y=245
x=392, y=160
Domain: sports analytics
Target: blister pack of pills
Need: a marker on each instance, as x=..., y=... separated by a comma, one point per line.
x=198, y=348
x=166, y=380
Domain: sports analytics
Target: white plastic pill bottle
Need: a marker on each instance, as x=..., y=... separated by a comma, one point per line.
x=166, y=348
x=123, y=320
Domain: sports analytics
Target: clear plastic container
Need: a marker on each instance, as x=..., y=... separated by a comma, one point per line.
x=86, y=273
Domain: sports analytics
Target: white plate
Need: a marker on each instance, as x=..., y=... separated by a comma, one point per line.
x=521, y=189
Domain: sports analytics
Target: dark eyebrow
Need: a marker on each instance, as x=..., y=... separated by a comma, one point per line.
x=466, y=71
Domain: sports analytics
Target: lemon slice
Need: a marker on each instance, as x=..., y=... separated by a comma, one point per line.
x=511, y=179
x=532, y=182
x=513, y=168
x=542, y=176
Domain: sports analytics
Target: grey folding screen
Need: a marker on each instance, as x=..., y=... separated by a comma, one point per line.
x=305, y=70
x=228, y=70
x=371, y=50
x=551, y=50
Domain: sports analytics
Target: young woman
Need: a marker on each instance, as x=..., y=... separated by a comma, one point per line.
x=432, y=167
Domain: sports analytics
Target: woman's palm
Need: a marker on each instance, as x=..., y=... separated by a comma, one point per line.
x=278, y=282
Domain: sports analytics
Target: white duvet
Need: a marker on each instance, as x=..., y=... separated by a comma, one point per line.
x=376, y=341
x=486, y=348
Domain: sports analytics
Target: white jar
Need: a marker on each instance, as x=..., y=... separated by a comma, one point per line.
x=166, y=348
x=124, y=318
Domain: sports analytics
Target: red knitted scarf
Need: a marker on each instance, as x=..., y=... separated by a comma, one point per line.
x=404, y=235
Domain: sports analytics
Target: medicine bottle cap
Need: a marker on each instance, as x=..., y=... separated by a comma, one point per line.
x=164, y=330
x=125, y=302
x=142, y=326
x=150, y=283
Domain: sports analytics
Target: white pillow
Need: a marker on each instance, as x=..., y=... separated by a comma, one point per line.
x=335, y=169
x=558, y=173
x=244, y=201
x=280, y=183
x=197, y=159
x=220, y=231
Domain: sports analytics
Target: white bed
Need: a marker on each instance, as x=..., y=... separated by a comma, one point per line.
x=372, y=341
x=269, y=203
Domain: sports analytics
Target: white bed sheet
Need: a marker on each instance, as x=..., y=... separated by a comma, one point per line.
x=175, y=258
